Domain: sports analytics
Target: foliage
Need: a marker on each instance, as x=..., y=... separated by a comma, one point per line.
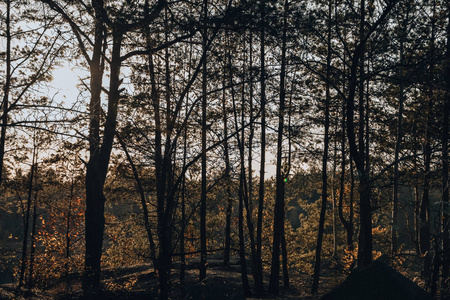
x=60, y=242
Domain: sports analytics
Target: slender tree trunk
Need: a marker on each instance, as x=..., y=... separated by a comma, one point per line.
x=333, y=195
x=26, y=220
x=243, y=197
x=445, y=169
x=6, y=88
x=164, y=237
x=251, y=135
x=416, y=190
x=284, y=255
x=316, y=275
x=365, y=235
x=242, y=258
x=183, y=207
x=425, y=218
x=348, y=225
x=352, y=197
x=229, y=204
x=278, y=221
x=67, y=234
x=33, y=244
x=398, y=143
x=425, y=236
x=203, y=193
x=262, y=168
x=141, y=191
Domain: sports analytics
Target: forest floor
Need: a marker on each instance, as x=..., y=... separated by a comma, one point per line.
x=140, y=282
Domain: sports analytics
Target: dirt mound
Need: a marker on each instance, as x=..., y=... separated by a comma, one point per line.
x=378, y=282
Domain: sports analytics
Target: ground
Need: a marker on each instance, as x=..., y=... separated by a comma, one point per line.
x=140, y=282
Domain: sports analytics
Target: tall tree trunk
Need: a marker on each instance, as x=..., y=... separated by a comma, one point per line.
x=67, y=234
x=445, y=168
x=243, y=196
x=164, y=237
x=6, y=88
x=416, y=189
x=348, y=225
x=398, y=143
x=183, y=203
x=251, y=134
x=357, y=152
x=425, y=218
x=33, y=238
x=323, y=209
x=262, y=168
x=141, y=191
x=26, y=217
x=333, y=187
x=229, y=204
x=203, y=192
x=365, y=235
x=97, y=167
x=30, y=282
x=242, y=258
x=94, y=219
x=278, y=221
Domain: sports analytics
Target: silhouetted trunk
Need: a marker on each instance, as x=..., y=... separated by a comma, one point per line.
x=243, y=197
x=251, y=135
x=445, y=169
x=416, y=189
x=183, y=216
x=183, y=204
x=278, y=221
x=97, y=166
x=161, y=164
x=203, y=167
x=229, y=204
x=141, y=191
x=316, y=275
x=242, y=258
x=398, y=143
x=94, y=219
x=365, y=235
x=67, y=234
x=425, y=218
x=348, y=225
x=33, y=243
x=357, y=151
x=284, y=256
x=425, y=236
x=262, y=166
x=6, y=88
x=26, y=218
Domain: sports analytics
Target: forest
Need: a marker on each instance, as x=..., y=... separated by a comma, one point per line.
x=223, y=149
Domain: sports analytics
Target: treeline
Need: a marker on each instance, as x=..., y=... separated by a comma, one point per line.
x=182, y=105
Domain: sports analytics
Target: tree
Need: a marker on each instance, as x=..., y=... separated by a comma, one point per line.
x=357, y=151
x=100, y=147
x=399, y=137
x=262, y=167
x=279, y=216
x=316, y=276
x=445, y=168
x=204, y=180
